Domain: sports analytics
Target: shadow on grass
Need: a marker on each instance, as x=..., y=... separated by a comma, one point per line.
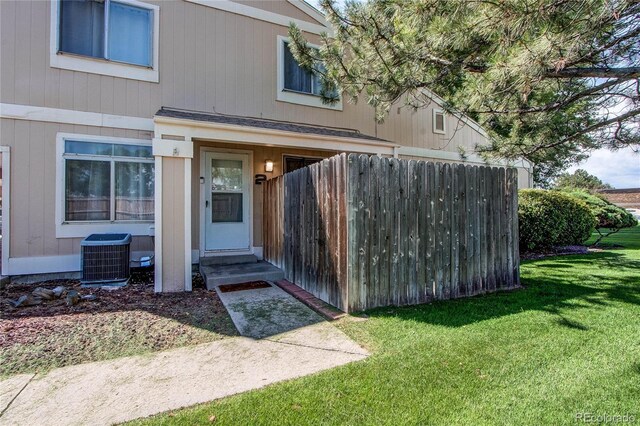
x=557, y=290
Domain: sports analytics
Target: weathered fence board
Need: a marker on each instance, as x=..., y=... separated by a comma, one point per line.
x=360, y=232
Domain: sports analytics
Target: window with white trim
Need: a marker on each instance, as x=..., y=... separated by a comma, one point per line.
x=107, y=29
x=439, y=122
x=296, y=84
x=107, y=182
x=118, y=38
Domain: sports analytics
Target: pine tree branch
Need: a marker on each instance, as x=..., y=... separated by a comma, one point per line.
x=589, y=129
x=627, y=72
x=556, y=105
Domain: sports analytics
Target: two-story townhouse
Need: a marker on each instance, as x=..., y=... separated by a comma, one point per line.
x=155, y=117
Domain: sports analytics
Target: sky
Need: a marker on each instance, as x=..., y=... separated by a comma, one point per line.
x=621, y=169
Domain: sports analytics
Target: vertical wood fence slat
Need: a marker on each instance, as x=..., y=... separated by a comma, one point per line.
x=455, y=232
x=421, y=249
x=360, y=232
x=431, y=231
x=394, y=197
x=446, y=231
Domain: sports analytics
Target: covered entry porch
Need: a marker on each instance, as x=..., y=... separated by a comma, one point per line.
x=209, y=192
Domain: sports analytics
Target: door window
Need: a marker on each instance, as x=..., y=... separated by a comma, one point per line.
x=226, y=191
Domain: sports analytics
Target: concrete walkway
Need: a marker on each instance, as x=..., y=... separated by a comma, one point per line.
x=108, y=392
x=265, y=312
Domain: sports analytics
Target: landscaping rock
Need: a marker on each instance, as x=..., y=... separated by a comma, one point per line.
x=59, y=291
x=43, y=293
x=72, y=298
x=89, y=297
x=26, y=300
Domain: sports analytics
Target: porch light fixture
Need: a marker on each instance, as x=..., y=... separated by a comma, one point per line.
x=268, y=166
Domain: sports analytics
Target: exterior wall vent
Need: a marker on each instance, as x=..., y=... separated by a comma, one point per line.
x=105, y=259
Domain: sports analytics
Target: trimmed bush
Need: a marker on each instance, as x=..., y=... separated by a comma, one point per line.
x=550, y=218
x=609, y=216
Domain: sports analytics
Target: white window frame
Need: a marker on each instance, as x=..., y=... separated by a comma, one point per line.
x=83, y=229
x=284, y=95
x=437, y=111
x=70, y=61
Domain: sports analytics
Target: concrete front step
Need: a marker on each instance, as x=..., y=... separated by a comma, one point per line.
x=228, y=260
x=215, y=275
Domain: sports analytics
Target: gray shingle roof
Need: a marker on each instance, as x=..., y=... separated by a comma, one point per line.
x=263, y=124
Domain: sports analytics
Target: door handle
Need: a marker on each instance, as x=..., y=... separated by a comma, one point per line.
x=206, y=204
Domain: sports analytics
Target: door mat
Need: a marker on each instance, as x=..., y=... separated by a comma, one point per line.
x=227, y=288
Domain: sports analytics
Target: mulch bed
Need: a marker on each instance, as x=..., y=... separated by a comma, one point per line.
x=138, y=294
x=558, y=251
x=134, y=312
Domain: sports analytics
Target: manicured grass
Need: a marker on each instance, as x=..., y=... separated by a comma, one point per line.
x=568, y=343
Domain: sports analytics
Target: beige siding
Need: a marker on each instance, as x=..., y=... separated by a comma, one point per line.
x=279, y=7
x=209, y=60
x=524, y=178
x=260, y=155
x=33, y=186
x=173, y=185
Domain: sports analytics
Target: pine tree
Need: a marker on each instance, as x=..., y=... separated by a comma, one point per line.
x=549, y=80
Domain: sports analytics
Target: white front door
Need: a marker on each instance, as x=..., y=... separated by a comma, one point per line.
x=227, y=189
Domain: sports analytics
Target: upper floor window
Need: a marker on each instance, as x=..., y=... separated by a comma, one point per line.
x=107, y=29
x=296, y=84
x=297, y=78
x=439, y=122
x=108, y=37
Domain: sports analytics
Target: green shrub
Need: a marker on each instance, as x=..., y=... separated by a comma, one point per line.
x=550, y=218
x=608, y=215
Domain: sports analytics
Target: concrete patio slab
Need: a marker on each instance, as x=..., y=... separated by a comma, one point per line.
x=266, y=312
x=103, y=393
x=215, y=275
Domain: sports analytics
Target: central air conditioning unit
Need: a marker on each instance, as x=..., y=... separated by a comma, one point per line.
x=105, y=259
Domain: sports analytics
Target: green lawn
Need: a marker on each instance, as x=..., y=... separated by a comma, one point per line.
x=568, y=343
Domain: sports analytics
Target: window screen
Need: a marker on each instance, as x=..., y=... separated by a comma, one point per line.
x=84, y=25
x=108, y=182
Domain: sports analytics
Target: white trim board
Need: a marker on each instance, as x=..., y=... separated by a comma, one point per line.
x=6, y=207
x=262, y=15
x=51, y=264
x=68, y=116
x=172, y=148
x=103, y=66
x=310, y=10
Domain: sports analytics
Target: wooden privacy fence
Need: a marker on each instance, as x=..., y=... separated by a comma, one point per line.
x=359, y=231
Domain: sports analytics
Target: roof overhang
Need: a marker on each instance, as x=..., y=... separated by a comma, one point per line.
x=170, y=127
